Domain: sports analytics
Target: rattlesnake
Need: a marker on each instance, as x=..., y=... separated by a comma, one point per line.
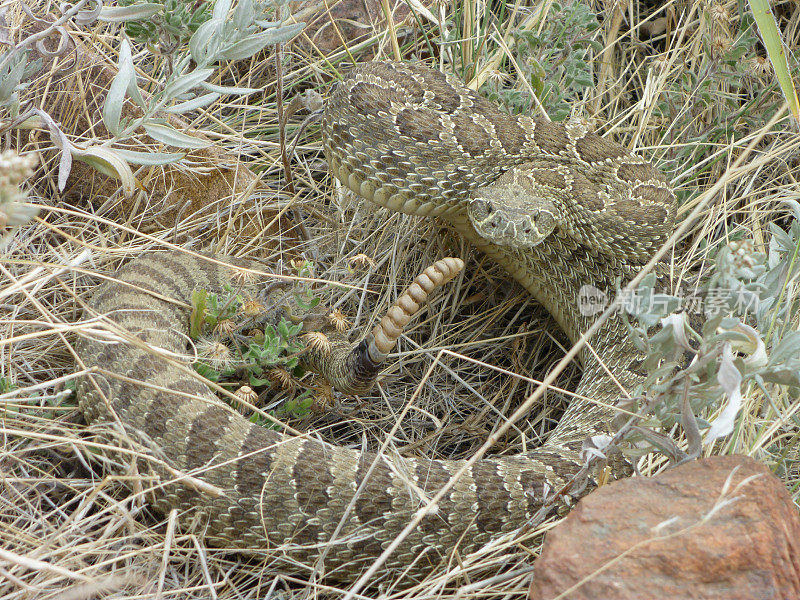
x=557, y=206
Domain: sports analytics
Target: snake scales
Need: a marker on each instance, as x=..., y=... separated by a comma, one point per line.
x=556, y=205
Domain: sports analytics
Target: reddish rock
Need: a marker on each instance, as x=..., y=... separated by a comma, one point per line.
x=721, y=528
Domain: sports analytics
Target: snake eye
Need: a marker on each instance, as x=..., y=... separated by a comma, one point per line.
x=481, y=206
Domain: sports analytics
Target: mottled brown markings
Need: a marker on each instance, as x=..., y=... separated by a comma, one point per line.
x=119, y=297
x=469, y=135
x=492, y=496
x=411, y=89
x=133, y=366
x=375, y=500
x=206, y=429
x=369, y=98
x=533, y=486
x=444, y=97
x=238, y=514
x=510, y=134
x=636, y=172
x=123, y=305
x=420, y=125
x=341, y=133
x=585, y=195
x=592, y=149
x=253, y=470
x=160, y=281
x=551, y=138
x=217, y=276
x=313, y=476
x=549, y=178
x=163, y=408
x=658, y=196
x=431, y=476
x=483, y=106
x=177, y=270
x=560, y=463
x=630, y=211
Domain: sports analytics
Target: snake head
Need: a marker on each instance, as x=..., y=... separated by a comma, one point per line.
x=506, y=215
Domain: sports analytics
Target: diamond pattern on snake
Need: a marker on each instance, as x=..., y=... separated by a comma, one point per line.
x=558, y=206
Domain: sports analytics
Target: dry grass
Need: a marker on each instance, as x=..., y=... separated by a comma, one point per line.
x=69, y=531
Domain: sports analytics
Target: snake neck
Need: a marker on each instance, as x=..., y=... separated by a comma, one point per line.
x=573, y=283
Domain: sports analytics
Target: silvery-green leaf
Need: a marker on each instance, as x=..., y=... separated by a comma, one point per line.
x=18, y=214
x=149, y=158
x=133, y=90
x=252, y=44
x=64, y=168
x=787, y=350
x=112, y=109
x=86, y=16
x=172, y=137
x=205, y=42
x=193, y=104
x=234, y=91
x=730, y=379
x=184, y=83
x=10, y=81
x=221, y=9
x=134, y=12
x=109, y=162
x=61, y=141
x=244, y=13
x=63, y=45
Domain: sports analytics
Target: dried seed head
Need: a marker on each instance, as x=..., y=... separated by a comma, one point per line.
x=743, y=251
x=244, y=277
x=498, y=77
x=759, y=66
x=251, y=308
x=299, y=264
x=214, y=352
x=323, y=393
x=720, y=43
x=338, y=320
x=225, y=327
x=14, y=169
x=660, y=64
x=719, y=14
x=246, y=394
x=361, y=260
x=316, y=340
x=281, y=378
x=257, y=335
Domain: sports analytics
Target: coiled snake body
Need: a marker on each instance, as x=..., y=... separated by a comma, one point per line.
x=559, y=207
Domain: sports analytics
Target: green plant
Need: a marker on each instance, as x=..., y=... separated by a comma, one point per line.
x=280, y=347
x=745, y=340
x=554, y=59
x=239, y=342
x=6, y=385
x=169, y=24
x=194, y=44
x=209, y=310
